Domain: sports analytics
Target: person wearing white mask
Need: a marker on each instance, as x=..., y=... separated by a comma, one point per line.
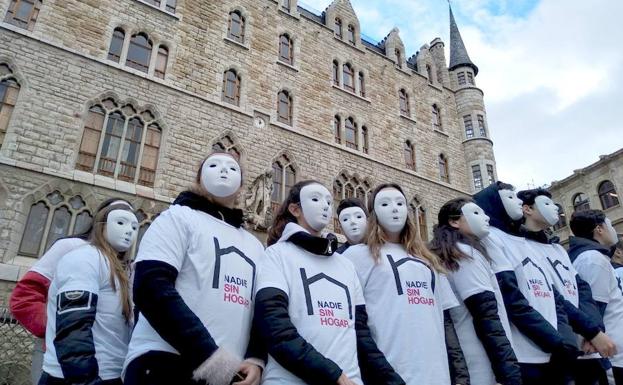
x=542, y=338
x=540, y=212
x=407, y=295
x=309, y=306
x=89, y=311
x=589, y=250
x=353, y=218
x=194, y=283
x=481, y=321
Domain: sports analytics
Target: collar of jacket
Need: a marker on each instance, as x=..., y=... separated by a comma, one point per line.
x=233, y=217
x=315, y=245
x=578, y=245
x=537, y=236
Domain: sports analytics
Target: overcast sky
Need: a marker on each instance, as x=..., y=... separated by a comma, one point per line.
x=551, y=71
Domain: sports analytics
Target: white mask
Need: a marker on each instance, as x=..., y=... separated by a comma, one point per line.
x=547, y=208
x=512, y=204
x=353, y=222
x=477, y=220
x=612, y=233
x=121, y=229
x=317, y=205
x=390, y=207
x=221, y=175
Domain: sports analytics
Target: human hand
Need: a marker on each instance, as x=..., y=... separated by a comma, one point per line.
x=604, y=345
x=587, y=347
x=249, y=374
x=344, y=380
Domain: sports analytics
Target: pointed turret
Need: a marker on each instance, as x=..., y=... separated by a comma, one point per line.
x=458, y=53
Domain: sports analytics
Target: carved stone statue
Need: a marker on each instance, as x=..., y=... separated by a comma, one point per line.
x=257, y=202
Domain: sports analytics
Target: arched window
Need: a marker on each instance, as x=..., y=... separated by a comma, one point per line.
x=235, y=27
x=562, y=218
x=54, y=217
x=231, y=87
x=436, y=118
x=161, y=62
x=337, y=29
x=337, y=129
x=284, y=107
x=362, y=85
x=419, y=217
x=284, y=177
x=346, y=186
x=481, y=126
x=469, y=126
x=351, y=34
x=365, y=139
x=404, y=103
x=442, y=162
x=477, y=177
x=285, y=49
x=581, y=202
x=348, y=77
x=23, y=13
x=139, y=53
x=409, y=153
x=116, y=45
x=9, y=89
x=227, y=144
x=127, y=140
x=350, y=133
x=336, y=73
x=398, y=57
x=429, y=73
x=607, y=195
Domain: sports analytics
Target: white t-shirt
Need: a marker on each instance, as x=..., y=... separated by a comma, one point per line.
x=475, y=276
x=46, y=265
x=323, y=292
x=405, y=300
x=619, y=272
x=534, y=281
x=216, y=265
x=85, y=269
x=595, y=268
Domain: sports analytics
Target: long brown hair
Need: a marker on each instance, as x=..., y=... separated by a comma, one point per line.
x=118, y=263
x=445, y=236
x=409, y=238
x=198, y=189
x=284, y=216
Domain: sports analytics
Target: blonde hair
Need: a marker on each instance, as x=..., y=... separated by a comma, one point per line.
x=409, y=238
x=119, y=279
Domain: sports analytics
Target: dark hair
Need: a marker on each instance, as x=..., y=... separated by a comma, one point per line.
x=351, y=202
x=446, y=237
x=284, y=216
x=505, y=186
x=583, y=223
x=619, y=245
x=528, y=196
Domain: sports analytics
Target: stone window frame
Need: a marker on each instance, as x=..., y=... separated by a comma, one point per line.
x=460, y=78
x=144, y=176
x=243, y=23
x=400, y=58
x=335, y=73
x=482, y=125
x=355, y=129
x=338, y=28
x=168, y=6
x=365, y=139
x=361, y=131
x=491, y=173
x=290, y=59
x=29, y=24
x=470, y=78
x=235, y=100
x=607, y=194
x=580, y=202
x=429, y=73
x=337, y=129
x=477, y=177
x=227, y=143
x=443, y=167
x=9, y=80
x=54, y=202
x=358, y=74
x=436, y=120
x=351, y=34
x=348, y=66
x=283, y=167
x=468, y=124
x=404, y=103
x=154, y=56
x=347, y=185
x=361, y=82
x=419, y=213
x=289, y=120
x=409, y=155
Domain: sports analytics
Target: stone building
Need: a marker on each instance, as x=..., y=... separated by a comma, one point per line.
x=596, y=186
x=125, y=98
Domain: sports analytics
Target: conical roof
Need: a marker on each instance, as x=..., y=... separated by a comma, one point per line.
x=458, y=53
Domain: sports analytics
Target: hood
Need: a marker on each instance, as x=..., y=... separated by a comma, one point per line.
x=490, y=202
x=293, y=232
x=578, y=245
x=195, y=201
x=539, y=236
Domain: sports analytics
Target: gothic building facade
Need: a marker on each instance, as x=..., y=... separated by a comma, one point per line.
x=125, y=98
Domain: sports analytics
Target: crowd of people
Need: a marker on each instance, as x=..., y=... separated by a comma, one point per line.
x=492, y=299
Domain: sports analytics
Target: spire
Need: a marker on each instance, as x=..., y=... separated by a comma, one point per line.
x=458, y=53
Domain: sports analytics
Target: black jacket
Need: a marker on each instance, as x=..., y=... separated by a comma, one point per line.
x=459, y=374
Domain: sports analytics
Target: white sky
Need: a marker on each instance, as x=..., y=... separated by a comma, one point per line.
x=551, y=71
